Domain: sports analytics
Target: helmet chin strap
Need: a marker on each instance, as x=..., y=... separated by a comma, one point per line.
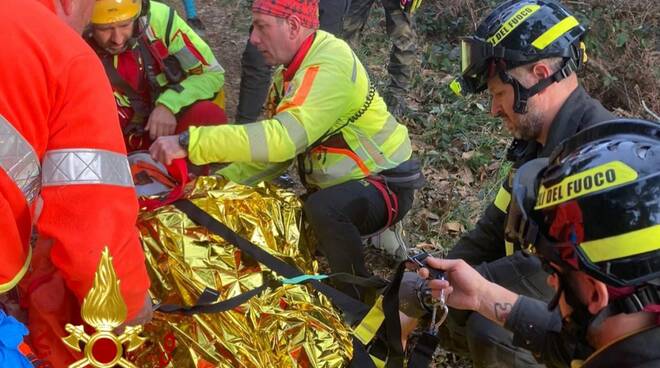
x=522, y=94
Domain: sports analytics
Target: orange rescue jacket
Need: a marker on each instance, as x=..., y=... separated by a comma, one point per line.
x=60, y=141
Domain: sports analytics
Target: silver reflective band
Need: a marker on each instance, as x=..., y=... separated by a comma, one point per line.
x=85, y=166
x=18, y=159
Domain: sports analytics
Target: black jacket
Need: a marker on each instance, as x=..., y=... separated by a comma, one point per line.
x=485, y=243
x=484, y=247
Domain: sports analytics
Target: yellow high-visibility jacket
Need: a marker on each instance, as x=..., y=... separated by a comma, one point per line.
x=204, y=76
x=328, y=89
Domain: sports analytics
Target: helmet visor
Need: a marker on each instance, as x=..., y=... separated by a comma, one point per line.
x=475, y=58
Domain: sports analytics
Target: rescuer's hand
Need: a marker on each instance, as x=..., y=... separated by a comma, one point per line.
x=462, y=286
x=161, y=122
x=465, y=288
x=165, y=149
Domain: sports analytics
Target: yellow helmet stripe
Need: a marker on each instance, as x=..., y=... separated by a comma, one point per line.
x=623, y=245
x=512, y=23
x=555, y=32
x=589, y=181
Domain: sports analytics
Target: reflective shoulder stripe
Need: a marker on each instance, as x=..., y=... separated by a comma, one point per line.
x=85, y=166
x=502, y=200
x=187, y=59
x=369, y=326
x=18, y=159
x=19, y=275
x=623, y=245
x=354, y=73
x=555, y=32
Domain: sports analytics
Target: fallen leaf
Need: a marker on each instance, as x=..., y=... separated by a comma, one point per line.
x=453, y=227
x=465, y=175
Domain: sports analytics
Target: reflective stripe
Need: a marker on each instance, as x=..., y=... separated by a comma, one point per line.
x=296, y=131
x=555, y=32
x=270, y=171
x=370, y=324
x=330, y=174
x=502, y=200
x=187, y=59
x=19, y=275
x=402, y=153
x=386, y=131
x=372, y=150
x=508, y=248
x=354, y=74
x=623, y=245
x=215, y=67
x=18, y=159
x=85, y=166
x=257, y=136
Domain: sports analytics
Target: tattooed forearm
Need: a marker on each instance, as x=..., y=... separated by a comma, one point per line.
x=502, y=311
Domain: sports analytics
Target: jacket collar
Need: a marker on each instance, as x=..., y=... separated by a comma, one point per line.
x=297, y=60
x=567, y=121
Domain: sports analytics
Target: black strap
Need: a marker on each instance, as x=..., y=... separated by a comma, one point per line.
x=204, y=305
x=373, y=282
x=139, y=106
x=361, y=358
x=422, y=354
x=168, y=29
x=392, y=322
x=354, y=310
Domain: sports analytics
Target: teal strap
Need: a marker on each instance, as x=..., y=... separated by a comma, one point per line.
x=302, y=278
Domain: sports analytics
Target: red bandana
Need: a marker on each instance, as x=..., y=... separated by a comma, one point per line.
x=306, y=10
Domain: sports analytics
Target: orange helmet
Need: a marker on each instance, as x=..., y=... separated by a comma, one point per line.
x=112, y=11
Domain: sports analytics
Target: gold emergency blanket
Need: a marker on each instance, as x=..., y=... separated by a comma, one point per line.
x=288, y=326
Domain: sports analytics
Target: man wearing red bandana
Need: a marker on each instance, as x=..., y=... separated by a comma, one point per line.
x=325, y=116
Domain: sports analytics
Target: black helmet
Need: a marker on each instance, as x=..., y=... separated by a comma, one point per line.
x=518, y=33
x=594, y=206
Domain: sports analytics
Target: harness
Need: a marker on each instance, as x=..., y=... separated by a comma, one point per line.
x=154, y=56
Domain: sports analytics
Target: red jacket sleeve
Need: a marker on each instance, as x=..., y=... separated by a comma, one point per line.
x=82, y=219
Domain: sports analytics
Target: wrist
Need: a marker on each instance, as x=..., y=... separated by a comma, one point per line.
x=496, y=302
